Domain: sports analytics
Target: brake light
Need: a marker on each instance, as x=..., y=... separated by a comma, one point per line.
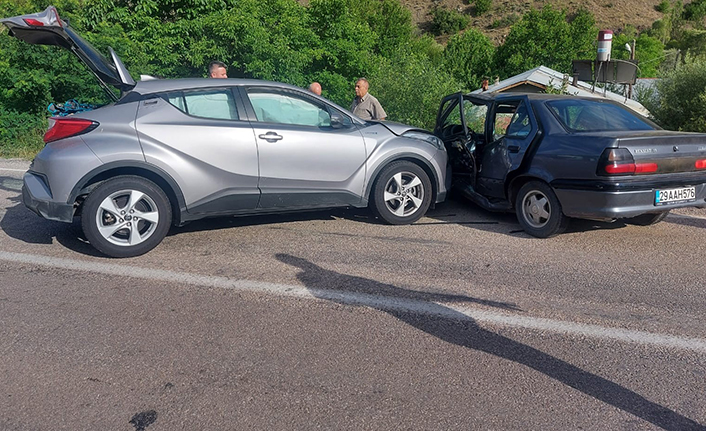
x=616, y=161
x=645, y=168
x=619, y=161
x=33, y=22
x=60, y=128
x=701, y=164
x=620, y=168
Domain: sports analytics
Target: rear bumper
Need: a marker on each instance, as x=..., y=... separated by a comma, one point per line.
x=37, y=196
x=612, y=204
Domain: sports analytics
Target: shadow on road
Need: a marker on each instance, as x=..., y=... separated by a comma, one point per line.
x=685, y=220
x=462, y=331
x=461, y=211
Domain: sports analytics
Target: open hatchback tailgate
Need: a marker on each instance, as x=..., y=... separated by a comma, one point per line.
x=47, y=28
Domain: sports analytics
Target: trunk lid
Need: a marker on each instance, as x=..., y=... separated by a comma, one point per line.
x=47, y=28
x=671, y=151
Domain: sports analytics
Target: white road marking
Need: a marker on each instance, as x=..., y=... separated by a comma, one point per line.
x=379, y=302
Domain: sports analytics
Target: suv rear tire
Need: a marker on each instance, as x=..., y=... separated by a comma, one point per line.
x=126, y=216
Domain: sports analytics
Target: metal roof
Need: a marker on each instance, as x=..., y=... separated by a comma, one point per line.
x=543, y=76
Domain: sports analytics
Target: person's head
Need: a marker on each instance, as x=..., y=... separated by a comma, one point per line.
x=217, y=69
x=361, y=87
x=315, y=88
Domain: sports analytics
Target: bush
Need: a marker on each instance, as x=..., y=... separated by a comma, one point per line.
x=680, y=100
x=410, y=87
x=482, y=6
x=695, y=11
x=21, y=133
x=444, y=21
x=663, y=7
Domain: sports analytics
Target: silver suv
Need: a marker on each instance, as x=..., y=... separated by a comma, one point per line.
x=167, y=152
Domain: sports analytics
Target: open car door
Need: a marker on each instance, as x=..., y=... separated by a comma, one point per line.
x=47, y=28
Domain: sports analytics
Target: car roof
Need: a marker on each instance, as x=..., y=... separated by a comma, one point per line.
x=162, y=85
x=532, y=96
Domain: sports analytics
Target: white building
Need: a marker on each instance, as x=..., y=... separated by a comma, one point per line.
x=538, y=79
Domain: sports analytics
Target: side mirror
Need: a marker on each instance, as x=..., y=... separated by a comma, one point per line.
x=337, y=121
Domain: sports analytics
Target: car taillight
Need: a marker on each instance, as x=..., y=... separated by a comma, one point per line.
x=33, y=22
x=701, y=164
x=619, y=161
x=60, y=128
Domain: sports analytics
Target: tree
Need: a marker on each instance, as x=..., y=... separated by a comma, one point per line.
x=469, y=57
x=546, y=37
x=649, y=51
x=410, y=88
x=680, y=100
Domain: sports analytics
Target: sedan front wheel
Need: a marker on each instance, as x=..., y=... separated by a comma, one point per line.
x=126, y=216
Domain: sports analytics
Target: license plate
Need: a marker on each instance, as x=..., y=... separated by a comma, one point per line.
x=675, y=196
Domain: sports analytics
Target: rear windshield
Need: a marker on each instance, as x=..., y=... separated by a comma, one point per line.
x=579, y=115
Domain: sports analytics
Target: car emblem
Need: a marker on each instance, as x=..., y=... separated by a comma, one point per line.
x=675, y=148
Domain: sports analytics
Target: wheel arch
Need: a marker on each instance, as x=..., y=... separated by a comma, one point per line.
x=111, y=170
x=516, y=182
x=410, y=157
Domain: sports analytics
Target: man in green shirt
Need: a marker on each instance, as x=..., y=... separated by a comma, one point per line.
x=365, y=105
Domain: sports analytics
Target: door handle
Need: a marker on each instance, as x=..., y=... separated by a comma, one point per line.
x=270, y=137
x=513, y=148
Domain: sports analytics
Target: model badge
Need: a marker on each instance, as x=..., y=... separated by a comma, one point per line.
x=645, y=150
x=702, y=148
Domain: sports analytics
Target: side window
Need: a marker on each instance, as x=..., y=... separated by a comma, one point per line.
x=454, y=117
x=213, y=103
x=520, y=125
x=287, y=109
x=503, y=116
x=475, y=116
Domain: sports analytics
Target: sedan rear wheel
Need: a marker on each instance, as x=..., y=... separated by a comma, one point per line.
x=126, y=216
x=402, y=193
x=539, y=211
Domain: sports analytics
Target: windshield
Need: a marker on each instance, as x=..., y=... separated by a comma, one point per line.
x=579, y=115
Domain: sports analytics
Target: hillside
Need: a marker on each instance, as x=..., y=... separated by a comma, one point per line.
x=610, y=14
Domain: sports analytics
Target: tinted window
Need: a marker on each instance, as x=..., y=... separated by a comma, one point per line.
x=218, y=104
x=288, y=109
x=594, y=116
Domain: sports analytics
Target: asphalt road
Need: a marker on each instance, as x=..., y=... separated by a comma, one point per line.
x=331, y=320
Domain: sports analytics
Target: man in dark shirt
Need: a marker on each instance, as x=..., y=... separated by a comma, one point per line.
x=365, y=105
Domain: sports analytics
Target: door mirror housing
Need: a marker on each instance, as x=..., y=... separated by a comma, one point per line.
x=338, y=121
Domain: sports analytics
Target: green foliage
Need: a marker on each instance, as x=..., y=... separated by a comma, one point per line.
x=680, y=100
x=546, y=37
x=21, y=133
x=469, y=57
x=695, y=11
x=415, y=98
x=482, y=6
x=663, y=7
x=445, y=21
x=649, y=51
